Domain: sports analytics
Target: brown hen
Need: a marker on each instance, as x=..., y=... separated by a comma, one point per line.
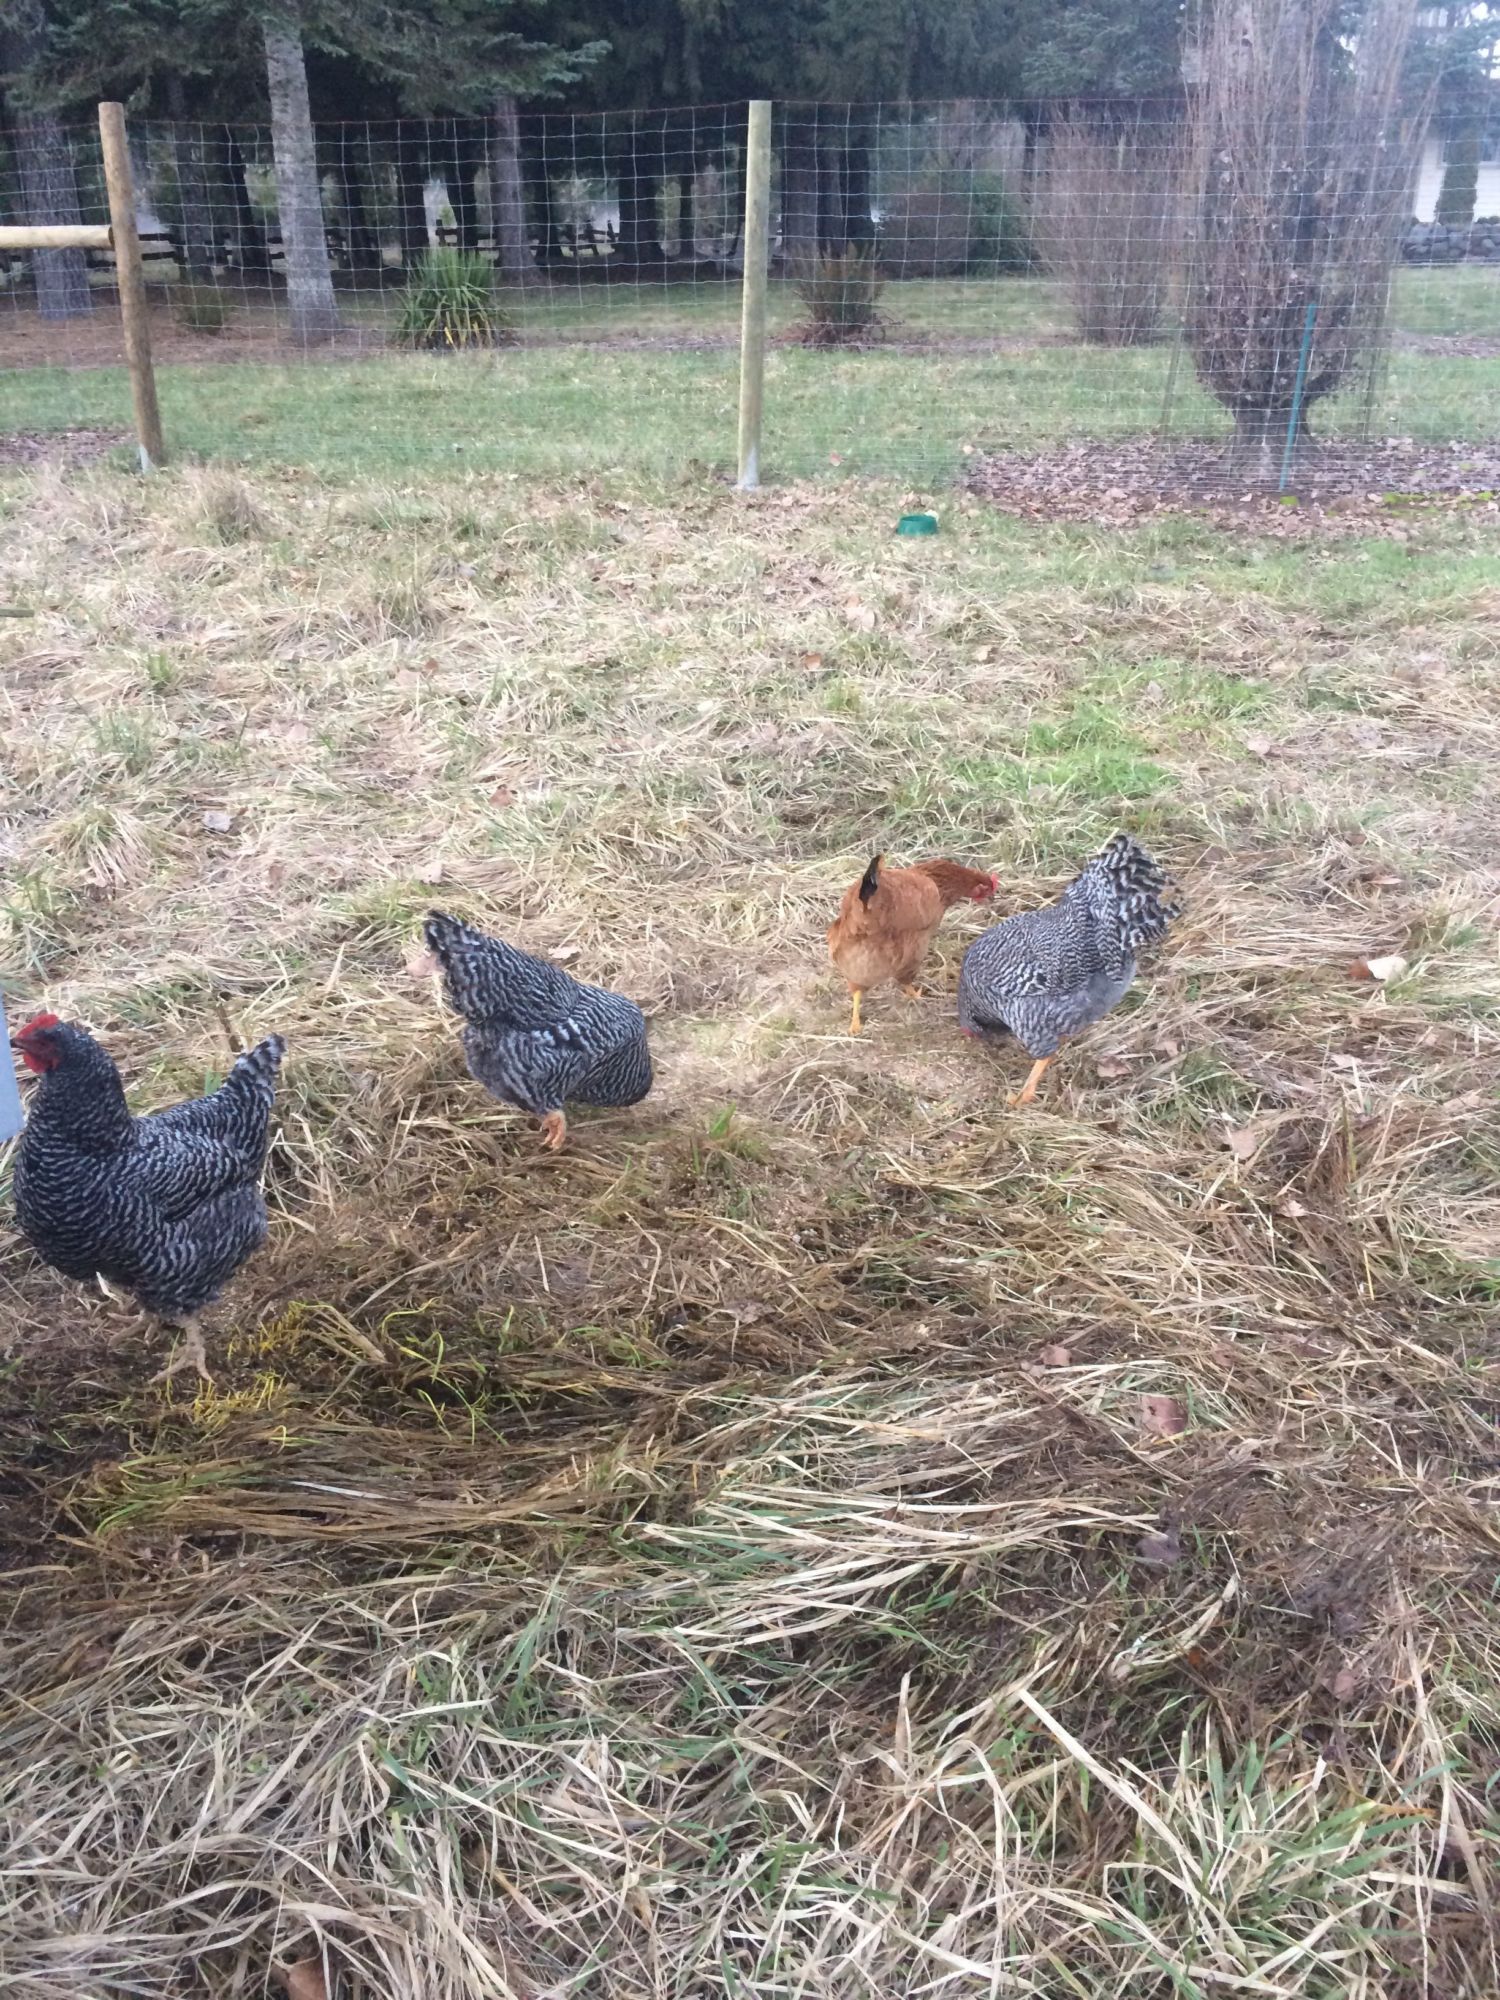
x=887, y=921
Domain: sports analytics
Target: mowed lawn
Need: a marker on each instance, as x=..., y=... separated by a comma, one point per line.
x=825, y=1534
x=589, y=389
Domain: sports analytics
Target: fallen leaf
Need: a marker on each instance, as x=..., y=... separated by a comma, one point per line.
x=1342, y=1061
x=406, y=682
x=217, y=822
x=983, y=654
x=1162, y=1416
x=563, y=953
x=1161, y=1549
x=1169, y=1046
x=1154, y=691
x=1243, y=1141
x=1259, y=746
x=430, y=873
x=502, y=796
x=835, y=458
x=1108, y=1068
x=860, y=616
x=422, y=965
x=1391, y=967
x=1056, y=1357
x=303, y=1979
x=812, y=662
x=1292, y=1209
x=1345, y=1684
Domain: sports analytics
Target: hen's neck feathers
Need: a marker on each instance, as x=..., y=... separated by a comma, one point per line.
x=82, y=1101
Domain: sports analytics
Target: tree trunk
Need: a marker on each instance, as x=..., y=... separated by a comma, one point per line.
x=687, y=218
x=194, y=193
x=299, y=199
x=799, y=197
x=1459, y=194
x=1258, y=448
x=458, y=159
x=364, y=244
x=639, y=243
x=250, y=237
x=411, y=194
x=49, y=186
x=858, y=224
x=507, y=195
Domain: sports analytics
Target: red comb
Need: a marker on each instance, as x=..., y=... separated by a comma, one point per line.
x=39, y=1021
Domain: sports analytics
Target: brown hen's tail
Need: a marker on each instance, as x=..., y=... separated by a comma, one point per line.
x=955, y=883
x=869, y=882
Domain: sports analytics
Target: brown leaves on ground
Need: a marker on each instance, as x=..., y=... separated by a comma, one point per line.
x=1163, y=1416
x=303, y=1979
x=1161, y=1548
x=1353, y=486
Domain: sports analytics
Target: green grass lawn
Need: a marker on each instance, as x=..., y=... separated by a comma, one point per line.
x=548, y=410
x=825, y=1533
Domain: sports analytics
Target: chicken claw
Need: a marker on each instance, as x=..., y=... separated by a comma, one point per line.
x=1027, y=1093
x=554, y=1131
x=913, y=992
x=189, y=1355
x=855, y=1024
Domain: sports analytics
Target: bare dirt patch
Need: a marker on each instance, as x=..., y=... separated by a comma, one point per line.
x=69, y=447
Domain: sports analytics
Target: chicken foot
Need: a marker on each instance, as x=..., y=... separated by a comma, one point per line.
x=855, y=1023
x=189, y=1355
x=554, y=1131
x=1027, y=1093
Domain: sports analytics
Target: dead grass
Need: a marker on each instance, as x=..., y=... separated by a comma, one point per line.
x=737, y=1557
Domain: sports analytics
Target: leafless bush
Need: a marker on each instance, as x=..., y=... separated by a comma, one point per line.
x=1302, y=162
x=1108, y=218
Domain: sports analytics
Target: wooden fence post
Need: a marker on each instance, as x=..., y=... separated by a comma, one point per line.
x=753, y=294
x=131, y=278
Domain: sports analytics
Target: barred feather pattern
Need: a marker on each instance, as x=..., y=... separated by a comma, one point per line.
x=167, y=1206
x=532, y=1036
x=1046, y=974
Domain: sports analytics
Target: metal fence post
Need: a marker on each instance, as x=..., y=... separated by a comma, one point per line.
x=753, y=292
x=131, y=278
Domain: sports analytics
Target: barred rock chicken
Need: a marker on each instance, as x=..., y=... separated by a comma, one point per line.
x=887, y=921
x=168, y=1206
x=1046, y=974
x=534, y=1037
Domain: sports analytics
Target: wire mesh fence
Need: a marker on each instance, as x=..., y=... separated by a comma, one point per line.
x=943, y=278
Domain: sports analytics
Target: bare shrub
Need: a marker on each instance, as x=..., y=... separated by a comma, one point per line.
x=841, y=291
x=1302, y=157
x=1108, y=220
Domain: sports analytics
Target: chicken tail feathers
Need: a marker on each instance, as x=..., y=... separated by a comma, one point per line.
x=869, y=882
x=1126, y=888
x=264, y=1061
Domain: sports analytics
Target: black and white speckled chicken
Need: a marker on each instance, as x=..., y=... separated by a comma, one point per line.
x=534, y=1037
x=167, y=1206
x=1046, y=974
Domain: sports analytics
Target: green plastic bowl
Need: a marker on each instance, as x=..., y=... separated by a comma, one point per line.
x=917, y=524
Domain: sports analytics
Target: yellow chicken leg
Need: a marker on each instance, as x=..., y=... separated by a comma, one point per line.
x=912, y=992
x=189, y=1355
x=554, y=1131
x=854, y=1020
x=1027, y=1093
